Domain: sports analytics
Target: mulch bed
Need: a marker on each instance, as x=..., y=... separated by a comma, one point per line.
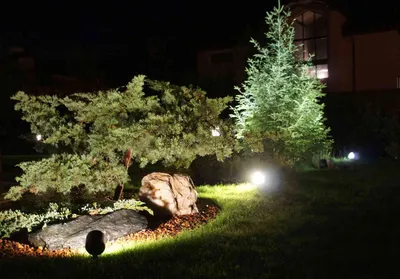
x=171, y=227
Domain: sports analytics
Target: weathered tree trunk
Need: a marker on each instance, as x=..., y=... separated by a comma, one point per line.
x=120, y=188
x=118, y=192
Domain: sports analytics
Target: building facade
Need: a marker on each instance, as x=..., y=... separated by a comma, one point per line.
x=220, y=69
x=347, y=59
x=351, y=59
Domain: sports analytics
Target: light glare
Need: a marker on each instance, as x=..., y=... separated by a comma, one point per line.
x=351, y=155
x=215, y=132
x=38, y=137
x=258, y=178
x=323, y=73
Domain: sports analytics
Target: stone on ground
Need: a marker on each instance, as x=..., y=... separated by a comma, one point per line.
x=73, y=234
x=169, y=194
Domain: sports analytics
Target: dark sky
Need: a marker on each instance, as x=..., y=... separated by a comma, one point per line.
x=121, y=27
x=107, y=21
x=54, y=30
x=44, y=26
x=127, y=19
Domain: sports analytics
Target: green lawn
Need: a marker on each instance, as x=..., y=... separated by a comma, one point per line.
x=321, y=224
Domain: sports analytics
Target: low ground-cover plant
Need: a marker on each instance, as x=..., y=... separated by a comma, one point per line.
x=12, y=221
x=131, y=204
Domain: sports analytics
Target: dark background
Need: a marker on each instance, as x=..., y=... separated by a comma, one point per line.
x=111, y=41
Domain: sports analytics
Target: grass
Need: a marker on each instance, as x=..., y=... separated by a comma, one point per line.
x=322, y=224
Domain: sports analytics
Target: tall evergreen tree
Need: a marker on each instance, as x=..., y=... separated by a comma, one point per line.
x=278, y=109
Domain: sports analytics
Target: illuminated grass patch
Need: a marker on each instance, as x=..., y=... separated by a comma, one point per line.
x=324, y=224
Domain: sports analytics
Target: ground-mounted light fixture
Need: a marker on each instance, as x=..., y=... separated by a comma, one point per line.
x=352, y=156
x=39, y=137
x=266, y=180
x=258, y=178
x=95, y=243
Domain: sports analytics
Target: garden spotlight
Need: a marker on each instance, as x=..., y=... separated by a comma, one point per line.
x=258, y=178
x=351, y=156
x=95, y=243
x=38, y=137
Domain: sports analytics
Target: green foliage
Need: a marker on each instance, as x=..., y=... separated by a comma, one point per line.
x=340, y=160
x=131, y=204
x=12, y=221
x=181, y=127
x=93, y=132
x=319, y=155
x=278, y=108
x=62, y=172
x=387, y=129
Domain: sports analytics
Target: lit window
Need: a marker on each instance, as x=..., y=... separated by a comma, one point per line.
x=311, y=32
x=311, y=38
x=320, y=71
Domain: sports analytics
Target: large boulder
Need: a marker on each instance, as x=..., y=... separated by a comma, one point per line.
x=73, y=234
x=169, y=194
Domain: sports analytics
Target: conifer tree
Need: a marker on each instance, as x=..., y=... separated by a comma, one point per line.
x=98, y=134
x=278, y=107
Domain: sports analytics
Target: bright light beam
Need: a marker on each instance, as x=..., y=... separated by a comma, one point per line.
x=258, y=178
x=351, y=156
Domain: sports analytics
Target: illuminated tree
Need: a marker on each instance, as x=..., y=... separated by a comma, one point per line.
x=278, y=109
x=97, y=134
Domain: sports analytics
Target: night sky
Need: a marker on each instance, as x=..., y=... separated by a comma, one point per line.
x=125, y=19
x=111, y=39
x=115, y=34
